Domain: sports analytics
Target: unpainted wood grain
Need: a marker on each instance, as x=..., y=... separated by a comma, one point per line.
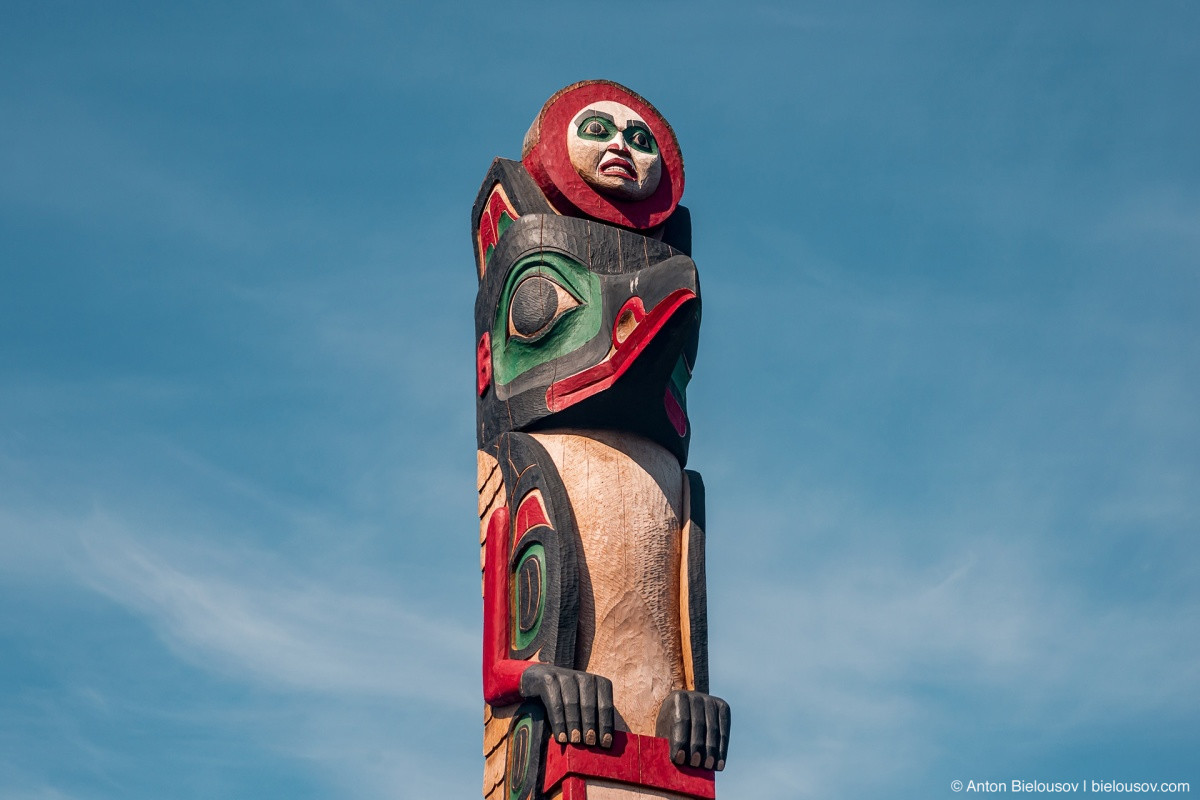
x=626, y=493
x=495, y=765
x=489, y=482
x=495, y=726
x=607, y=790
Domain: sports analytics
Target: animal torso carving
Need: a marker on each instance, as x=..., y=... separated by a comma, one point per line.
x=627, y=496
x=592, y=531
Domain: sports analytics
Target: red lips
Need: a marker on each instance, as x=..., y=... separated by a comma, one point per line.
x=619, y=167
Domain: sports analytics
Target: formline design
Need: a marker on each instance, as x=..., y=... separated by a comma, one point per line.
x=591, y=530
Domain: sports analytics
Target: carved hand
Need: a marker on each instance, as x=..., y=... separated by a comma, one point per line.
x=579, y=705
x=697, y=725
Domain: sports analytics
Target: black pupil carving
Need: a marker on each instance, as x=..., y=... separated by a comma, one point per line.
x=534, y=305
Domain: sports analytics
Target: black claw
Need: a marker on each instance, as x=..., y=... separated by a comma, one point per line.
x=579, y=705
x=697, y=727
x=587, y=707
x=568, y=682
x=712, y=730
x=696, y=735
x=605, y=710
x=723, y=718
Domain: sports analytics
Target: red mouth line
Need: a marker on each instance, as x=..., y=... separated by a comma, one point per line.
x=595, y=379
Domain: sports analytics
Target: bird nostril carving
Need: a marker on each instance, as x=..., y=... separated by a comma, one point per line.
x=625, y=326
x=628, y=318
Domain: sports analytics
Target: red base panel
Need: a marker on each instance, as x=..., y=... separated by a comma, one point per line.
x=638, y=760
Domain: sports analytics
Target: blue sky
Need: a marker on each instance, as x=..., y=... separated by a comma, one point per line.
x=945, y=403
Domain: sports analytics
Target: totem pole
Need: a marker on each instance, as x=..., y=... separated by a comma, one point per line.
x=595, y=652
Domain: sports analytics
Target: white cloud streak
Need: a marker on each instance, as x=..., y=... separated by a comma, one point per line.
x=868, y=661
x=245, y=614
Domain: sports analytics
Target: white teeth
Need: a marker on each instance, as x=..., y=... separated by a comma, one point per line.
x=617, y=168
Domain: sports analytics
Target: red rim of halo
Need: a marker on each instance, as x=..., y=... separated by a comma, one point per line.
x=549, y=163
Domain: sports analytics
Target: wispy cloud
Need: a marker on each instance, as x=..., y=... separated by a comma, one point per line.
x=32, y=790
x=871, y=659
x=247, y=614
x=336, y=670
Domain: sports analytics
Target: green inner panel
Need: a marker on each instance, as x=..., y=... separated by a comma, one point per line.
x=521, y=744
x=513, y=355
x=522, y=639
x=680, y=377
x=502, y=224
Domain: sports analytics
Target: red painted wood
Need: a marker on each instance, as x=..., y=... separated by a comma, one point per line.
x=634, y=307
x=675, y=413
x=659, y=771
x=489, y=222
x=619, y=762
x=529, y=513
x=633, y=759
x=574, y=789
x=501, y=675
x=483, y=363
x=497, y=205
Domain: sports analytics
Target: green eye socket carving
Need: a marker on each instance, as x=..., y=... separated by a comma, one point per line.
x=549, y=307
x=641, y=139
x=597, y=128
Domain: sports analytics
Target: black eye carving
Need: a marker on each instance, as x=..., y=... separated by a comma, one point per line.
x=640, y=139
x=597, y=128
x=536, y=303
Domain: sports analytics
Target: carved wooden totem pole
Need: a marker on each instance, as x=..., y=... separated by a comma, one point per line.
x=595, y=653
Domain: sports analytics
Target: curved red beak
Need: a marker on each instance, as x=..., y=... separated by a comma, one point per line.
x=631, y=335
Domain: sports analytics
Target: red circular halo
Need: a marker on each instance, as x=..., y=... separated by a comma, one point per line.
x=547, y=160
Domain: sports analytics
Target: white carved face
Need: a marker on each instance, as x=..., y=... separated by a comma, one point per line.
x=613, y=150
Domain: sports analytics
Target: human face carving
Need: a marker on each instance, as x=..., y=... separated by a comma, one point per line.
x=614, y=151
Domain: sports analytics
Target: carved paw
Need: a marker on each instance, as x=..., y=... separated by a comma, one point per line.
x=697, y=726
x=579, y=705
